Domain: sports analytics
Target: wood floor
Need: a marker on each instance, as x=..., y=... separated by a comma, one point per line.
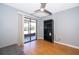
x=42, y=47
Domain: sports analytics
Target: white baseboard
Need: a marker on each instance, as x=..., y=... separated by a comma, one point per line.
x=67, y=45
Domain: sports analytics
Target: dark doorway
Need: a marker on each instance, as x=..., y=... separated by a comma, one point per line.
x=49, y=30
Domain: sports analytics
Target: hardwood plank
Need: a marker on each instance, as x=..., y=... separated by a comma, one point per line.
x=42, y=47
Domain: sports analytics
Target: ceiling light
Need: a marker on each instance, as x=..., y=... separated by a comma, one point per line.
x=42, y=9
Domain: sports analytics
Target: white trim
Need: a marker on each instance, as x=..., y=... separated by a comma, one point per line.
x=67, y=45
x=21, y=30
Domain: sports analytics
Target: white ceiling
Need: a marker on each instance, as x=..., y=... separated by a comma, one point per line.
x=52, y=7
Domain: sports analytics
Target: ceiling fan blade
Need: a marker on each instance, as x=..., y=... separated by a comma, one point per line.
x=43, y=5
x=37, y=10
x=48, y=12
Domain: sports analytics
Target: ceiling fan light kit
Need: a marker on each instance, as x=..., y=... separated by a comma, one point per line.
x=42, y=11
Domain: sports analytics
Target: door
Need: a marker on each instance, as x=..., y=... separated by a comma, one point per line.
x=33, y=29
x=29, y=30
x=49, y=30
x=26, y=30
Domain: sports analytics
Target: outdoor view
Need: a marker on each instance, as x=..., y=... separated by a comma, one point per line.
x=29, y=29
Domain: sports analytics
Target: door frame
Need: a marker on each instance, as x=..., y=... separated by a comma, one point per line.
x=21, y=30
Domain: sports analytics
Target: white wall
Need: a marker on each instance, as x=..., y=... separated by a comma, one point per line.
x=66, y=25
x=8, y=26
x=39, y=29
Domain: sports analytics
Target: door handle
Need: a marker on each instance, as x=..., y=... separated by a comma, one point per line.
x=50, y=34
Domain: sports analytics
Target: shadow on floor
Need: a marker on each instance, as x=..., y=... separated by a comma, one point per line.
x=11, y=50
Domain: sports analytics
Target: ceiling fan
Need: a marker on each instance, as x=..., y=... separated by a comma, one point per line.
x=42, y=11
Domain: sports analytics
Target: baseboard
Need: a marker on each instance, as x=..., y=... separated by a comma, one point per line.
x=40, y=39
x=67, y=45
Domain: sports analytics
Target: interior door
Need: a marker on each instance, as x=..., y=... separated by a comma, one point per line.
x=49, y=30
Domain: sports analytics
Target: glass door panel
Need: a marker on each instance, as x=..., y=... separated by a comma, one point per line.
x=26, y=31
x=33, y=29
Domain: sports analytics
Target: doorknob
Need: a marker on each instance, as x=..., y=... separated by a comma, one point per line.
x=49, y=33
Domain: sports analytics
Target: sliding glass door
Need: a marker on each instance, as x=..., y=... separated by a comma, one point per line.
x=26, y=30
x=33, y=29
x=29, y=30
